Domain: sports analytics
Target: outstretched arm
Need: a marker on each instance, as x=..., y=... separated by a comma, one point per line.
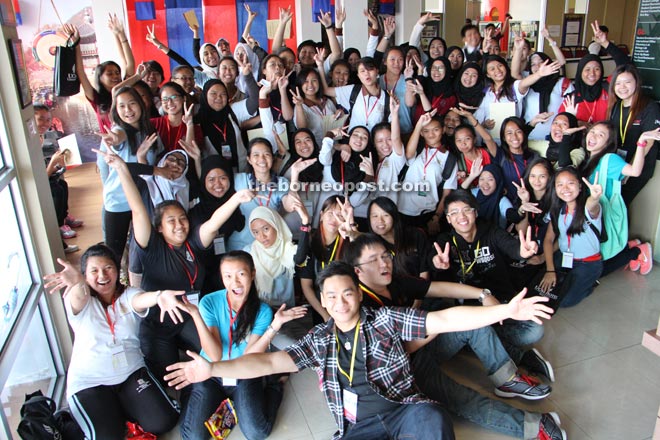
x=123, y=45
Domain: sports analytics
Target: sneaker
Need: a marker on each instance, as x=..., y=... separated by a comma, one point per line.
x=69, y=249
x=634, y=242
x=645, y=258
x=73, y=222
x=525, y=387
x=536, y=364
x=550, y=427
x=67, y=232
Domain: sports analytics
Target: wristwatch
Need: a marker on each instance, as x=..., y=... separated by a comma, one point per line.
x=484, y=294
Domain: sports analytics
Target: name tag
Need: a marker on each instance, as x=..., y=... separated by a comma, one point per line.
x=229, y=382
x=219, y=245
x=567, y=260
x=119, y=361
x=350, y=405
x=193, y=297
x=226, y=152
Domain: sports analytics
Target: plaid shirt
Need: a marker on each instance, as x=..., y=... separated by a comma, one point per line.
x=382, y=332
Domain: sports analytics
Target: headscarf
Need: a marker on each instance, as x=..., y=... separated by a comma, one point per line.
x=585, y=92
x=574, y=141
x=162, y=189
x=449, y=50
x=253, y=59
x=444, y=87
x=211, y=72
x=471, y=96
x=216, y=123
x=444, y=44
x=545, y=85
x=344, y=172
x=314, y=172
x=489, y=206
x=271, y=262
x=208, y=203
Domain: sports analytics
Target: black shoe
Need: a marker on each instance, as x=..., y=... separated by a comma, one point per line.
x=536, y=364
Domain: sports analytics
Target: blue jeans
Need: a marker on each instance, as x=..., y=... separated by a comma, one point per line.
x=415, y=421
x=515, y=335
x=465, y=402
x=256, y=402
x=579, y=281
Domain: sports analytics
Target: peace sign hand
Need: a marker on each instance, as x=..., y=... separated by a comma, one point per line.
x=528, y=247
x=409, y=71
x=521, y=191
x=188, y=114
x=599, y=36
x=367, y=165
x=296, y=96
x=192, y=149
x=595, y=189
x=394, y=104
x=115, y=162
x=441, y=259
x=109, y=138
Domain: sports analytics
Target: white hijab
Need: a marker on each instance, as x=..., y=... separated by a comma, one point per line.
x=253, y=59
x=278, y=258
x=162, y=189
x=211, y=72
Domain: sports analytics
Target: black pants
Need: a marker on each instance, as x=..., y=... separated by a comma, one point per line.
x=102, y=411
x=116, y=230
x=59, y=189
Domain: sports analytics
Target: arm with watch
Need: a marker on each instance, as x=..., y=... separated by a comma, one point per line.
x=444, y=289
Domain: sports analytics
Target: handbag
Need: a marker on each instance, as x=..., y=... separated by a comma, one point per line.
x=555, y=294
x=65, y=78
x=615, y=214
x=38, y=418
x=222, y=421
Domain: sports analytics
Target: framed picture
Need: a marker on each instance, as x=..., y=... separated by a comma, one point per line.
x=7, y=14
x=20, y=72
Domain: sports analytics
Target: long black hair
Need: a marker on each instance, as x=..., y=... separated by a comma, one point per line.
x=134, y=136
x=317, y=246
x=247, y=315
x=558, y=206
x=104, y=102
x=545, y=201
x=507, y=87
x=101, y=250
x=591, y=162
x=527, y=153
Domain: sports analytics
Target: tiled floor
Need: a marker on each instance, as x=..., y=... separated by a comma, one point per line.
x=608, y=385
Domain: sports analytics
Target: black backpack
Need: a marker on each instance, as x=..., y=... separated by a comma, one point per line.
x=39, y=421
x=354, y=94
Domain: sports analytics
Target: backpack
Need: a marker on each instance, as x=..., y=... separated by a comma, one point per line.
x=615, y=214
x=354, y=94
x=39, y=421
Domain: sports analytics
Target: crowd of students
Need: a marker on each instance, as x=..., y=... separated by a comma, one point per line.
x=378, y=193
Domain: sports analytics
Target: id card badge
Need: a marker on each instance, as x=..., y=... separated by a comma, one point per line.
x=229, y=382
x=567, y=260
x=193, y=297
x=119, y=361
x=424, y=185
x=219, y=245
x=350, y=405
x=621, y=153
x=226, y=151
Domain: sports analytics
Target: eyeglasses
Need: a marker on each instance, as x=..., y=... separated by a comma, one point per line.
x=173, y=98
x=464, y=211
x=176, y=160
x=184, y=78
x=438, y=69
x=384, y=258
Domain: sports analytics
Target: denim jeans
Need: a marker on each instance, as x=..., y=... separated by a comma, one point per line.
x=256, y=402
x=465, y=402
x=580, y=281
x=516, y=335
x=415, y=421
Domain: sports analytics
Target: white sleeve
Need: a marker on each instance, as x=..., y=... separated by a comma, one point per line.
x=452, y=182
x=343, y=96
x=416, y=35
x=266, y=117
x=240, y=110
x=372, y=44
x=325, y=155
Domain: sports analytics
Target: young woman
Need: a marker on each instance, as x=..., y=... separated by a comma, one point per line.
x=433, y=92
x=393, y=81
x=177, y=123
x=437, y=48
x=310, y=106
x=108, y=382
x=573, y=215
x=132, y=138
x=514, y=154
x=144, y=91
x=232, y=322
x=534, y=200
x=391, y=157
x=469, y=87
x=341, y=74
x=272, y=72
x=456, y=57
x=469, y=155
x=633, y=113
x=493, y=205
x=565, y=139
x=410, y=246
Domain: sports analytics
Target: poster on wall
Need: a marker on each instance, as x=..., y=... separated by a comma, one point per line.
x=646, y=49
x=572, y=30
x=431, y=30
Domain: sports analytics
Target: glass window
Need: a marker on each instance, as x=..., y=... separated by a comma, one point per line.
x=15, y=276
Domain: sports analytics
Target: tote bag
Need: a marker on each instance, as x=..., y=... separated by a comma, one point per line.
x=65, y=79
x=615, y=214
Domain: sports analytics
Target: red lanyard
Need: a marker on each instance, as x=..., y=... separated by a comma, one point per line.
x=232, y=321
x=515, y=165
x=174, y=144
x=224, y=132
x=372, y=295
x=110, y=323
x=567, y=234
x=320, y=109
x=428, y=161
x=279, y=112
x=270, y=192
x=368, y=112
x=191, y=278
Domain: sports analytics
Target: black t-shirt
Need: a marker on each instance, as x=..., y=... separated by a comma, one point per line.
x=403, y=290
x=416, y=261
x=370, y=402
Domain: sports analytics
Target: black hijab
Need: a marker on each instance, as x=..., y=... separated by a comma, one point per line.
x=345, y=172
x=574, y=140
x=584, y=91
x=444, y=87
x=489, y=206
x=314, y=172
x=545, y=85
x=471, y=96
x=216, y=124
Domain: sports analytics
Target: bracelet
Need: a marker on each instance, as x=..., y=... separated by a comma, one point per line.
x=305, y=228
x=270, y=327
x=553, y=43
x=549, y=271
x=410, y=79
x=386, y=37
x=642, y=144
x=332, y=26
x=485, y=293
x=475, y=123
x=160, y=46
x=160, y=292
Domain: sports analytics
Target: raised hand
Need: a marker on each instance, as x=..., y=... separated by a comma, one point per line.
x=187, y=117
x=545, y=33
x=548, y=68
x=285, y=14
x=441, y=259
x=319, y=57
x=302, y=164
x=65, y=279
x=394, y=103
x=284, y=315
x=367, y=165
x=373, y=21
x=340, y=16
x=427, y=18
x=569, y=104
x=109, y=138
x=296, y=96
x=71, y=32
x=300, y=209
x=651, y=135
x=244, y=195
x=115, y=162
x=243, y=64
x=151, y=35
x=595, y=189
x=325, y=18
x=529, y=309
x=339, y=132
x=599, y=36
x=409, y=71
x=283, y=83
x=541, y=118
x=390, y=26
x=426, y=118
x=184, y=373
x=146, y=144
x=168, y=303
x=477, y=168
x=192, y=149
x=521, y=191
x=528, y=247
x=251, y=14
x=115, y=25
x=569, y=131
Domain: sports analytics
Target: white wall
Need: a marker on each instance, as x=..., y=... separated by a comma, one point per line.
x=526, y=9
x=355, y=27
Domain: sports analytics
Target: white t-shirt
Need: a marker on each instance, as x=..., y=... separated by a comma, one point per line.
x=414, y=202
x=314, y=117
x=92, y=359
x=368, y=110
x=532, y=108
x=387, y=174
x=483, y=112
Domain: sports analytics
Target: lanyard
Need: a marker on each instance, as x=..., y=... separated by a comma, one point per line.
x=224, y=132
x=110, y=323
x=355, y=349
x=623, y=130
x=515, y=165
x=476, y=251
x=334, y=251
x=191, y=278
x=368, y=112
x=427, y=162
x=232, y=321
x=568, y=236
x=372, y=295
x=270, y=192
x=178, y=134
x=341, y=169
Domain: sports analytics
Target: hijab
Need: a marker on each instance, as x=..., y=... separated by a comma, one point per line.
x=253, y=59
x=217, y=125
x=584, y=91
x=444, y=44
x=545, y=85
x=574, y=140
x=211, y=72
x=314, y=172
x=444, y=87
x=489, y=206
x=344, y=172
x=273, y=261
x=208, y=203
x=471, y=96
x=162, y=189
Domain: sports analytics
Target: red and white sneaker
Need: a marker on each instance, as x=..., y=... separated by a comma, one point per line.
x=67, y=232
x=73, y=222
x=645, y=258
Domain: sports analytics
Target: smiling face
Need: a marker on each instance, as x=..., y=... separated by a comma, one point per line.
x=153, y=80
x=487, y=183
x=43, y=119
x=559, y=124
x=311, y=85
x=128, y=109
x=452, y=120
x=341, y=298
x=237, y=276
x=340, y=75
x=464, y=140
x=101, y=274
x=472, y=38
x=597, y=139
x=456, y=59
x=383, y=143
x=380, y=220
x=496, y=71
x=172, y=102
x=306, y=56
x=185, y=78
x=394, y=61
x=210, y=55
x=225, y=48
x=304, y=144
x=514, y=137
x=436, y=49
x=625, y=87
x=592, y=73
x=469, y=78
x=438, y=71
x=110, y=77
x=217, y=182
x=263, y=232
x=228, y=71
x=538, y=178
x=289, y=60
x=353, y=60
x=217, y=97
x=359, y=139
x=462, y=217
x=174, y=225
x=329, y=218
x=432, y=133
x=567, y=187
x=261, y=159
